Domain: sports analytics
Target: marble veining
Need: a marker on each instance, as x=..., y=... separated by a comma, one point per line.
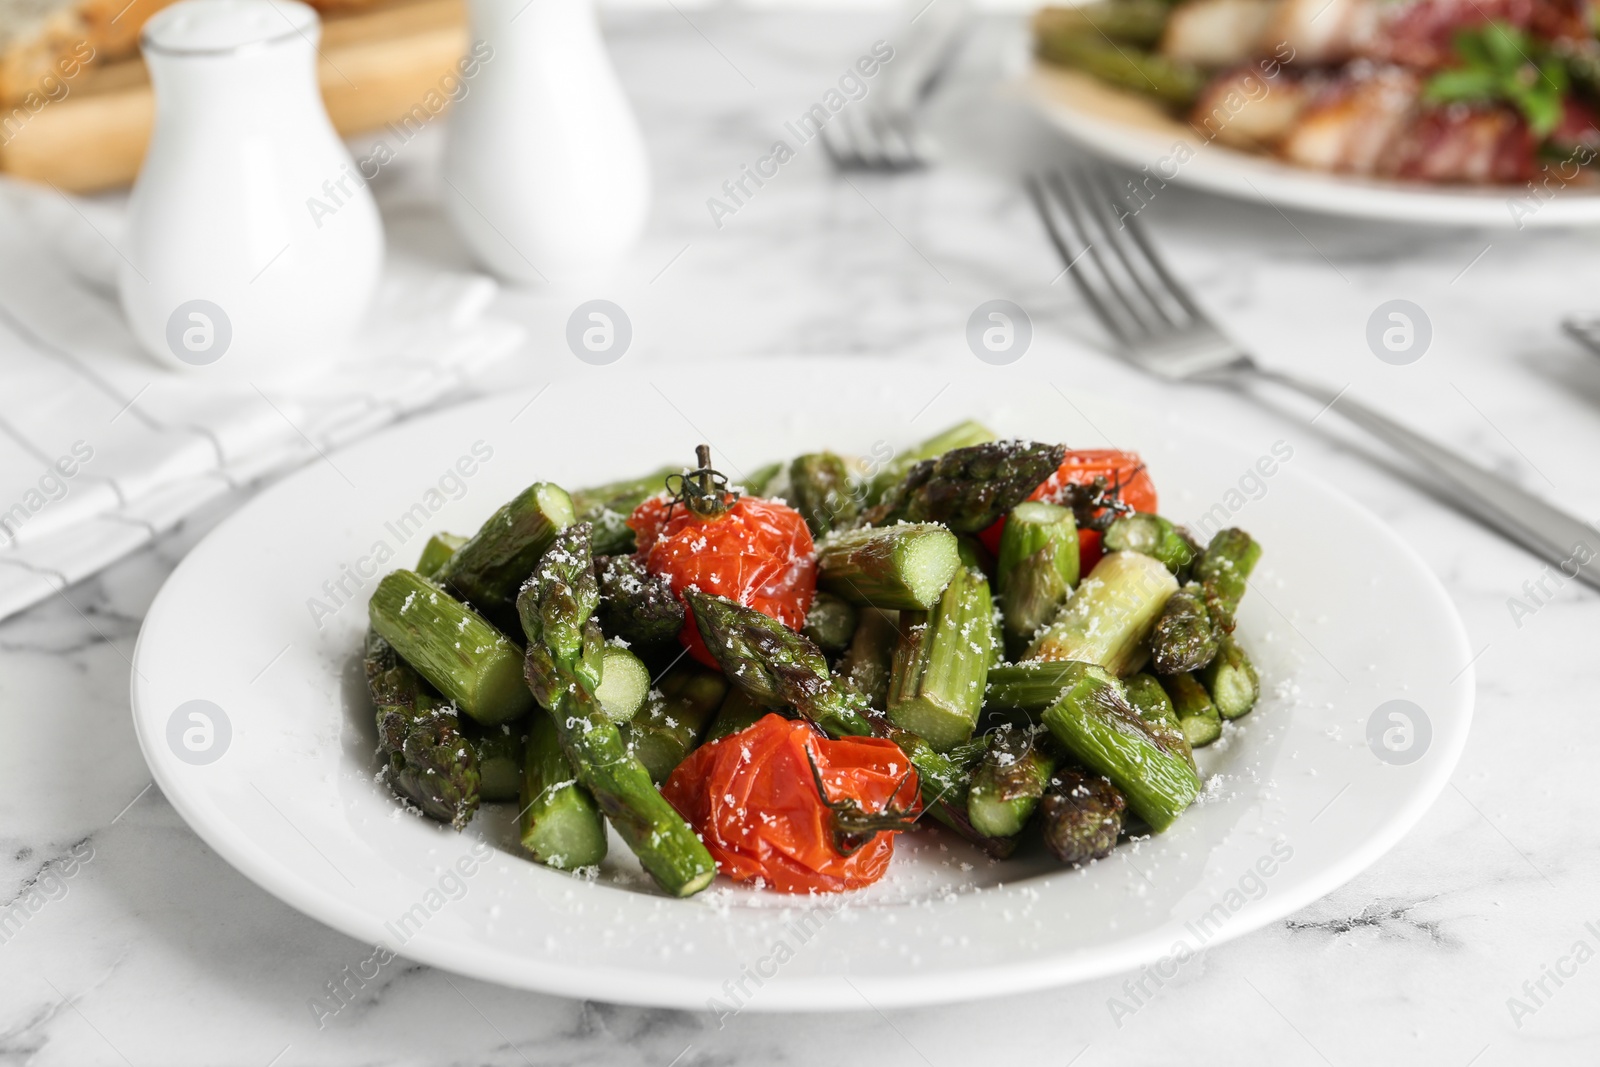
x=154, y=951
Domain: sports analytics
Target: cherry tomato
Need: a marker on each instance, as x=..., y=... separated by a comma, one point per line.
x=757, y=552
x=1081, y=467
x=753, y=798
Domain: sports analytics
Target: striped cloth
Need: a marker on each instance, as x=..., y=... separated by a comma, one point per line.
x=101, y=449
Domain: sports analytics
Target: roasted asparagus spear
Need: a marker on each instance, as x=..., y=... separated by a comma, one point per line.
x=556, y=608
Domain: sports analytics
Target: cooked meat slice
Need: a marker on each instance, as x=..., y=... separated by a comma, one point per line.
x=1350, y=125
x=1244, y=108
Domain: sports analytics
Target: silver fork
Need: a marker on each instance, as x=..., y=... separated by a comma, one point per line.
x=1160, y=330
x=880, y=132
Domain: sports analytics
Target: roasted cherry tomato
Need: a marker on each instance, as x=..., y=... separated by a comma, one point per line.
x=1123, y=471
x=781, y=803
x=757, y=552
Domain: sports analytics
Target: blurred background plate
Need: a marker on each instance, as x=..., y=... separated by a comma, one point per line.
x=1130, y=129
x=264, y=621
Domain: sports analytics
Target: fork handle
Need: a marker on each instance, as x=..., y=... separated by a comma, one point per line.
x=1544, y=530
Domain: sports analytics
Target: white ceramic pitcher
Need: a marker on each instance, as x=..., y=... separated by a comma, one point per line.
x=546, y=175
x=251, y=249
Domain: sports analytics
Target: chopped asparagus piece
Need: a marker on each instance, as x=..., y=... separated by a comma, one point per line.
x=1197, y=715
x=941, y=663
x=738, y=712
x=1037, y=569
x=1223, y=571
x=608, y=507
x=1150, y=700
x=430, y=763
x=969, y=489
x=1007, y=784
x=1232, y=681
x=556, y=608
x=674, y=718
x=488, y=570
x=561, y=823
x=1030, y=686
x=1183, y=638
x=775, y=665
x=868, y=663
x=1172, y=81
x=500, y=751
x=1135, y=21
x=1081, y=817
x=820, y=488
x=1153, y=536
x=624, y=681
x=1095, y=723
x=961, y=435
x=943, y=779
x=452, y=646
x=905, y=566
x=437, y=552
x=1109, y=615
x=831, y=622
x=635, y=605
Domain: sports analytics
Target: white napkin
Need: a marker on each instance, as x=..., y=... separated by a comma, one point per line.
x=101, y=449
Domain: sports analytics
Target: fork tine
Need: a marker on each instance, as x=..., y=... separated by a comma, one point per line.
x=1170, y=284
x=1096, y=190
x=1073, y=249
x=1081, y=205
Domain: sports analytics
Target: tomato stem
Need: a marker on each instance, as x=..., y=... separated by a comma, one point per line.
x=703, y=490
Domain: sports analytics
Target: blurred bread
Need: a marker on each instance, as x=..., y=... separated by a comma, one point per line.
x=43, y=42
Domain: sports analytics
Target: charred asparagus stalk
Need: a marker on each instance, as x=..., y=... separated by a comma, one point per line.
x=1030, y=686
x=430, y=762
x=1150, y=700
x=437, y=552
x=1197, y=715
x=1151, y=535
x=867, y=664
x=943, y=779
x=942, y=661
x=500, y=751
x=1037, y=569
x=1223, y=572
x=820, y=488
x=1172, y=81
x=968, y=489
x=1081, y=816
x=635, y=605
x=961, y=435
x=904, y=566
x=624, y=681
x=452, y=646
x=608, y=506
x=1109, y=615
x=1183, y=638
x=674, y=718
x=775, y=665
x=1135, y=21
x=1231, y=679
x=1008, y=782
x=560, y=822
x=1096, y=724
x=556, y=609
x=491, y=566
x=830, y=623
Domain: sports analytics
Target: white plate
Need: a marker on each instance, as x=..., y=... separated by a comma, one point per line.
x=1132, y=130
x=1344, y=618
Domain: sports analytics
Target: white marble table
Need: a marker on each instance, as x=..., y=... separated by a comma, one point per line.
x=155, y=951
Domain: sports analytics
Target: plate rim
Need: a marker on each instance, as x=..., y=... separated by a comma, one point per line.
x=797, y=994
